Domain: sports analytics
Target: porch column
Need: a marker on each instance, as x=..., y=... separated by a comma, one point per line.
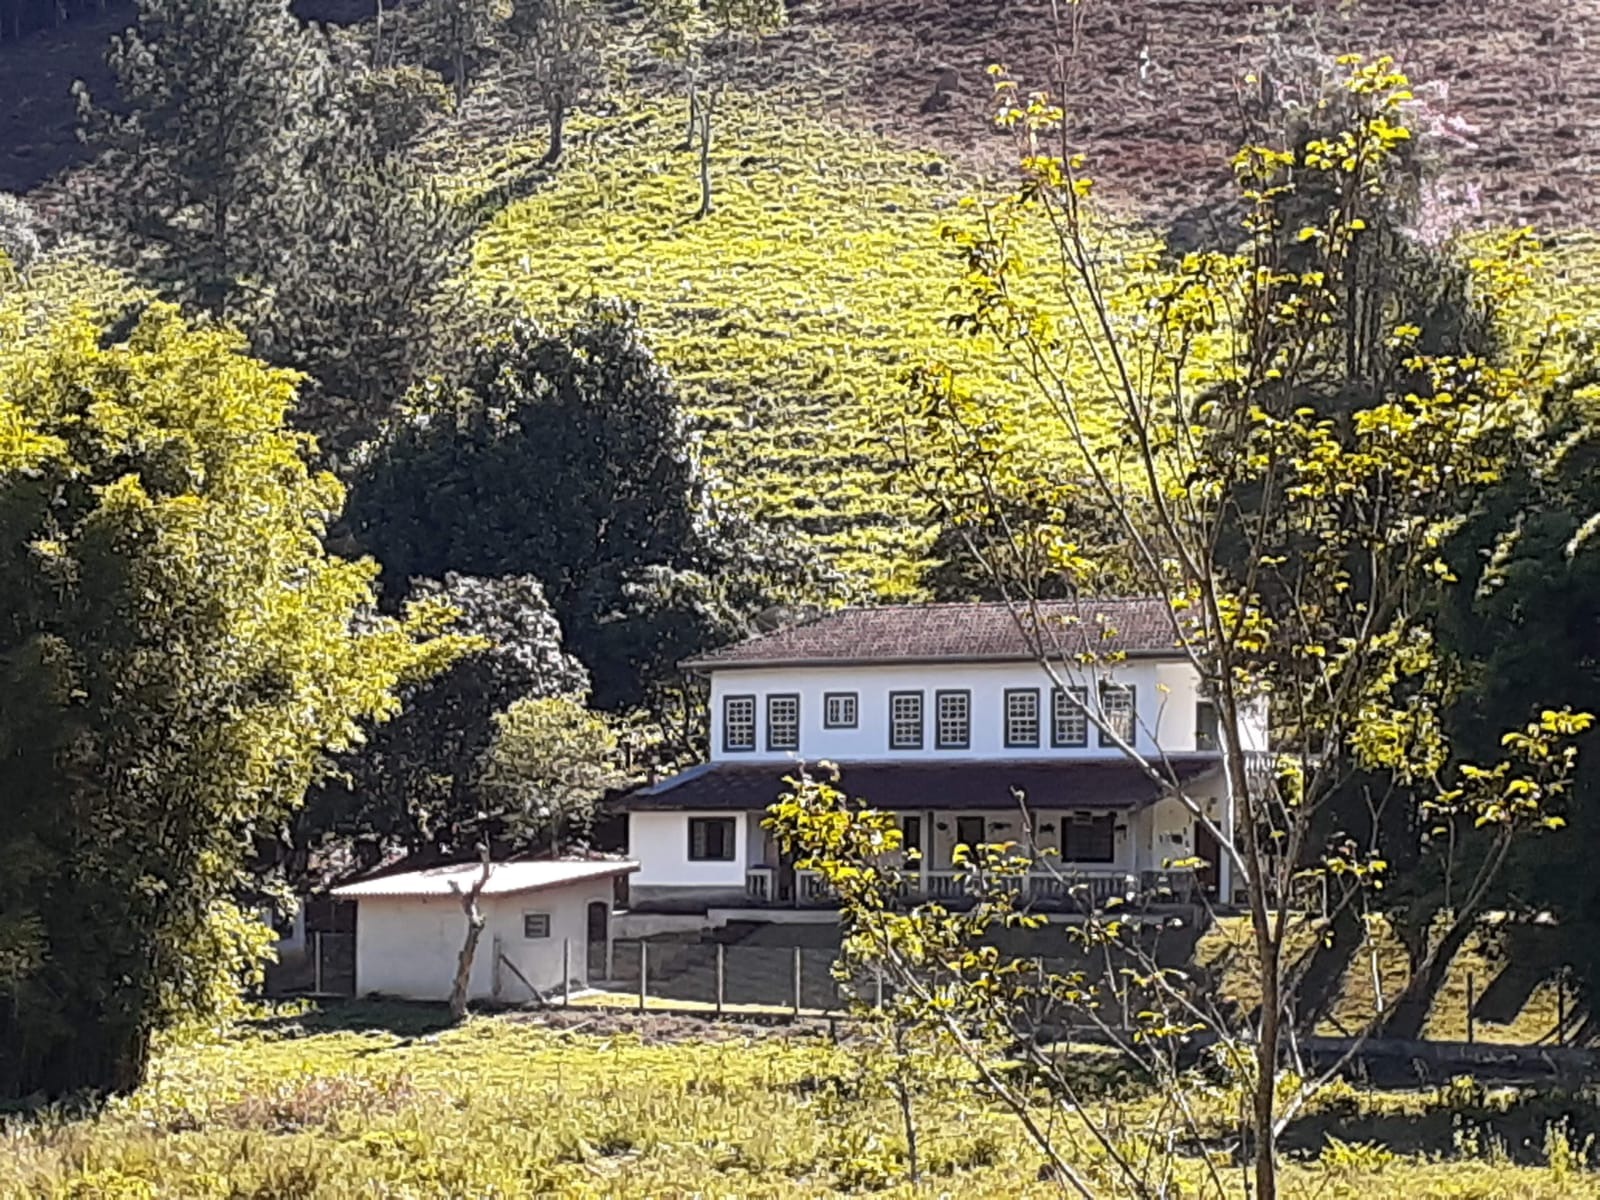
x=927, y=850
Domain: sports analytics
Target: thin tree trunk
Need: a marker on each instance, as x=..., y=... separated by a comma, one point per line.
x=694, y=114
x=705, y=162
x=469, y=949
x=558, y=125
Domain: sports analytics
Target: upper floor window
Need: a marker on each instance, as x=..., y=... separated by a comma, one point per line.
x=952, y=720
x=738, y=723
x=1022, y=717
x=1069, y=723
x=905, y=720
x=1206, y=736
x=840, y=710
x=1117, y=711
x=783, y=722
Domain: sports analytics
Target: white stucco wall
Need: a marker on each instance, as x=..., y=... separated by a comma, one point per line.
x=1165, y=693
x=408, y=946
x=659, y=843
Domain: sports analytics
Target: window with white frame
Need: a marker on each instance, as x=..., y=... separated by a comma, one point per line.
x=783, y=722
x=840, y=710
x=905, y=720
x=1117, y=711
x=738, y=723
x=535, y=925
x=1022, y=717
x=952, y=720
x=1069, y=724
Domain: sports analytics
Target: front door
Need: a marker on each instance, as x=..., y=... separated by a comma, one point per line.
x=1209, y=853
x=599, y=934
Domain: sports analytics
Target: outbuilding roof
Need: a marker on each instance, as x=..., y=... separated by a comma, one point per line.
x=505, y=879
x=940, y=786
x=958, y=633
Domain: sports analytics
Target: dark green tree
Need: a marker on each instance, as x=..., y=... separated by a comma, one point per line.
x=202, y=150
x=412, y=789
x=460, y=34
x=566, y=456
x=178, y=653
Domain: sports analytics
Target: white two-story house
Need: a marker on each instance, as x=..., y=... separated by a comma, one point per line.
x=945, y=715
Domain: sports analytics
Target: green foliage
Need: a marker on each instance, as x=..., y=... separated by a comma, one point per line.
x=566, y=456
x=561, y=43
x=177, y=654
x=413, y=788
x=461, y=34
x=362, y=300
x=219, y=103
x=552, y=761
x=19, y=234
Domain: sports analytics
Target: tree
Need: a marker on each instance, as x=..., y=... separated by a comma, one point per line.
x=1298, y=548
x=552, y=760
x=687, y=33
x=560, y=41
x=201, y=155
x=19, y=233
x=461, y=32
x=413, y=788
x=178, y=654
x=566, y=456
x=363, y=298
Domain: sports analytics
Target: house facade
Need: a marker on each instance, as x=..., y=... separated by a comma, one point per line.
x=945, y=715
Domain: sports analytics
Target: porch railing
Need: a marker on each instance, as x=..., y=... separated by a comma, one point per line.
x=1066, y=888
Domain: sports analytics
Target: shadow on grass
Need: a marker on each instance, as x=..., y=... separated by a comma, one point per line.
x=403, y=1018
x=1469, y=1128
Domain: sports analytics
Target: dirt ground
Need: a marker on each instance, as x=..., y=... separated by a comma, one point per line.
x=1514, y=91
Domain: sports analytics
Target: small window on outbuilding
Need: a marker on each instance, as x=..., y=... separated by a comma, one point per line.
x=535, y=925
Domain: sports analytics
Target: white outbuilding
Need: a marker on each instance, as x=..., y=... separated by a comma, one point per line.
x=545, y=924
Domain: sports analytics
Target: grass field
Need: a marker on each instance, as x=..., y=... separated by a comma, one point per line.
x=391, y=1105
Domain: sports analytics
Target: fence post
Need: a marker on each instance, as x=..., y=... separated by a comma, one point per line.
x=722, y=951
x=644, y=969
x=316, y=962
x=1561, y=1009
x=797, y=981
x=1472, y=1000
x=566, y=972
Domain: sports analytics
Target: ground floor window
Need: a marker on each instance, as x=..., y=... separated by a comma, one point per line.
x=535, y=925
x=969, y=832
x=1089, y=839
x=711, y=839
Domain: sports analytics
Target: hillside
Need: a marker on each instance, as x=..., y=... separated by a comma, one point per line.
x=792, y=316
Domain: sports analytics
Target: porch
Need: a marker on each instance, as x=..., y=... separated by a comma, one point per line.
x=1068, y=887
x=1083, y=859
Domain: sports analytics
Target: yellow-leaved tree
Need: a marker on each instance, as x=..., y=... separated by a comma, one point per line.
x=1283, y=449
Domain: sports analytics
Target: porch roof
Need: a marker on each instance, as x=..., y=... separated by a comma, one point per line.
x=941, y=786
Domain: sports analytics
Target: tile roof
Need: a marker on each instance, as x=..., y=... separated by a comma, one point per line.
x=505, y=879
x=942, y=785
x=957, y=632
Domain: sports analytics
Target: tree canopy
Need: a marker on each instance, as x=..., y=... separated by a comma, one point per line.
x=178, y=654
